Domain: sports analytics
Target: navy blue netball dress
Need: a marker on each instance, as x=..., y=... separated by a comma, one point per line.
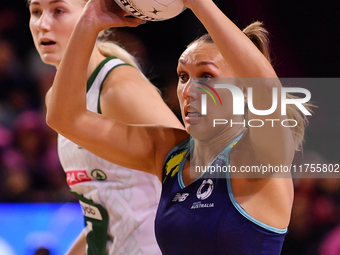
x=204, y=218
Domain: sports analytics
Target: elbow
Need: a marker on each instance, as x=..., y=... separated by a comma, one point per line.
x=55, y=121
x=51, y=121
x=64, y=123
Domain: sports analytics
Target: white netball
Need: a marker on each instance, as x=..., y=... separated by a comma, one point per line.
x=152, y=10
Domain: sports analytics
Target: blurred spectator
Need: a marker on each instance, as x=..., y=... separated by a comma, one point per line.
x=17, y=90
x=31, y=169
x=315, y=210
x=330, y=245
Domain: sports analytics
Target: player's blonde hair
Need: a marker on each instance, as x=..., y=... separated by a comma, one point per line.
x=259, y=36
x=109, y=48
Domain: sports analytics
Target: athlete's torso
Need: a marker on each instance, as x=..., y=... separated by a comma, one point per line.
x=204, y=218
x=130, y=197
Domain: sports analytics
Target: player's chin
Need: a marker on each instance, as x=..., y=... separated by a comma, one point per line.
x=50, y=59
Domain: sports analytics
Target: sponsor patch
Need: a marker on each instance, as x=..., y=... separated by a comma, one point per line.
x=91, y=211
x=77, y=176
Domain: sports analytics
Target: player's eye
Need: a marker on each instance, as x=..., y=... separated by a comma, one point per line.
x=58, y=11
x=207, y=76
x=35, y=12
x=183, y=77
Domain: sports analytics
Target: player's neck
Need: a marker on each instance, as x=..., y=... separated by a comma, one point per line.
x=206, y=151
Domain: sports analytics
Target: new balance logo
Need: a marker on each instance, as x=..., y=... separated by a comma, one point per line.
x=180, y=197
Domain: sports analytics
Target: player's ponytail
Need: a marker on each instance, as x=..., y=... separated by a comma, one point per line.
x=259, y=36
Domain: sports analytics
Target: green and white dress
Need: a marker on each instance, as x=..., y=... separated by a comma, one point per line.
x=119, y=204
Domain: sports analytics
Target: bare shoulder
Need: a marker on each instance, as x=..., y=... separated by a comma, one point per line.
x=265, y=197
x=267, y=200
x=128, y=96
x=126, y=73
x=127, y=82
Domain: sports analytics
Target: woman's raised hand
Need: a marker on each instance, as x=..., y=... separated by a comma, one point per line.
x=102, y=14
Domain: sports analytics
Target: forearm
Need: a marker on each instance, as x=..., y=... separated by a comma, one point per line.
x=241, y=54
x=69, y=91
x=79, y=246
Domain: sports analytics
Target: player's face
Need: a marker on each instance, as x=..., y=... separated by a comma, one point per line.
x=202, y=61
x=51, y=25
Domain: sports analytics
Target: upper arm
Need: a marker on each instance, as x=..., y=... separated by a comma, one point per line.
x=273, y=141
x=141, y=147
x=129, y=97
x=274, y=144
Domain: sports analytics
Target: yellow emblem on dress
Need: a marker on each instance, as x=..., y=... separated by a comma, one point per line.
x=172, y=166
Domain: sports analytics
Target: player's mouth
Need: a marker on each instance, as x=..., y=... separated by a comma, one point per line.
x=192, y=116
x=47, y=42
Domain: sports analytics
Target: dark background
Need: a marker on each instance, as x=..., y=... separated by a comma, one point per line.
x=305, y=42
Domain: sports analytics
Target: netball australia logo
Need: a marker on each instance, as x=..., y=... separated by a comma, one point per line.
x=205, y=190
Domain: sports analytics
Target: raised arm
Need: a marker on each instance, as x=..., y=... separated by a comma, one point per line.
x=246, y=61
x=138, y=147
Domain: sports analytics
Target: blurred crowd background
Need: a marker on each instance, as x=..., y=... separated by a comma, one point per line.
x=305, y=41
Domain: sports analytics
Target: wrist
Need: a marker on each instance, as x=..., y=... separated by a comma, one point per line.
x=88, y=25
x=90, y=20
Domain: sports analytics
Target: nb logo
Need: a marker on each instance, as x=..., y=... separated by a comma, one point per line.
x=180, y=197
